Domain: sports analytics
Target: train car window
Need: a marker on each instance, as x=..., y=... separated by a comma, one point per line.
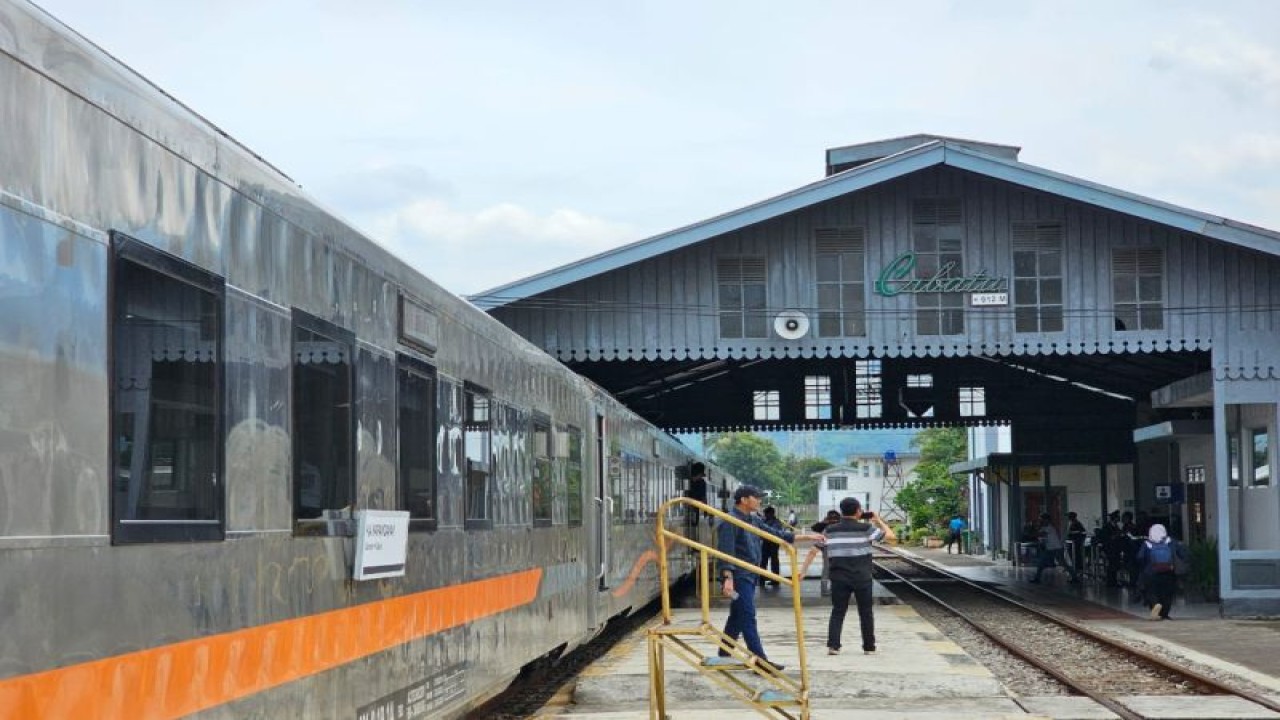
x=451, y=454
x=323, y=426
x=166, y=398
x=573, y=477
x=509, y=484
x=542, y=491
x=635, y=488
x=478, y=439
x=416, y=418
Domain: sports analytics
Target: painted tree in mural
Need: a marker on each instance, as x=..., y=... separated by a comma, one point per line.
x=935, y=495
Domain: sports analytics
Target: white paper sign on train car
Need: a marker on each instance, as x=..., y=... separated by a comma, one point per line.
x=382, y=541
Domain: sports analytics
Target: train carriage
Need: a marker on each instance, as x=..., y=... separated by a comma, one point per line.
x=206, y=377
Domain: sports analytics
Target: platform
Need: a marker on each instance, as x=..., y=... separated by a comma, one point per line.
x=919, y=673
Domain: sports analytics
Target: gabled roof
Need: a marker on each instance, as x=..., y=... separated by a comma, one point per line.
x=833, y=470
x=935, y=152
x=847, y=156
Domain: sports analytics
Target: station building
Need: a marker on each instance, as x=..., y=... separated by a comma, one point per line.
x=873, y=478
x=1130, y=346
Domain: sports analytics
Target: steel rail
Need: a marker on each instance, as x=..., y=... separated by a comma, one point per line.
x=1120, y=710
x=1162, y=663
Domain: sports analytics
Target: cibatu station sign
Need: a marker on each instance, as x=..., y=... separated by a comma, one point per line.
x=983, y=289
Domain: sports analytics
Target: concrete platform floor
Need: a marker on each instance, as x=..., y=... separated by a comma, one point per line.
x=916, y=674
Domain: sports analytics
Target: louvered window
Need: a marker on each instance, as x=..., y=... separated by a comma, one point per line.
x=1037, y=276
x=841, y=255
x=937, y=239
x=741, y=283
x=1137, y=286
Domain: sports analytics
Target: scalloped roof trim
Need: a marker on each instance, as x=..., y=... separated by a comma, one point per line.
x=766, y=352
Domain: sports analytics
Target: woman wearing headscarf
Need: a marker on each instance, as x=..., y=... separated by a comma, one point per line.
x=1158, y=557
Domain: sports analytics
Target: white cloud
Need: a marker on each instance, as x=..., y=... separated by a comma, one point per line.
x=471, y=251
x=1245, y=154
x=1214, y=52
x=458, y=129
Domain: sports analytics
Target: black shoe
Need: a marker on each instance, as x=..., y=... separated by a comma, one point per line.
x=723, y=653
x=758, y=663
x=1034, y=581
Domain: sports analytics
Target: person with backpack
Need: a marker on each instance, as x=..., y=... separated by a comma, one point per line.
x=1159, y=557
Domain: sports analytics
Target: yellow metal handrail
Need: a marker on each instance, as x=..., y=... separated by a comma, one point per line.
x=761, y=703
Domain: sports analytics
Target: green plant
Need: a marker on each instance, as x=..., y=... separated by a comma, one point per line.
x=919, y=534
x=1203, y=574
x=935, y=495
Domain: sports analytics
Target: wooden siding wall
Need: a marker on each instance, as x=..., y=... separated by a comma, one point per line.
x=666, y=307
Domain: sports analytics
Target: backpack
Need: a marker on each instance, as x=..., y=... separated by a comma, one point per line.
x=1160, y=557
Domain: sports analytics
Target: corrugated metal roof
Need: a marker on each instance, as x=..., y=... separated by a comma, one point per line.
x=934, y=152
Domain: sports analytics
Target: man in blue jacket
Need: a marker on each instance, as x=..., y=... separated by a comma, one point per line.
x=739, y=583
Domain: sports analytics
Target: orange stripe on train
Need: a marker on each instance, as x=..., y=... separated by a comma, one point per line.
x=171, y=681
x=648, y=556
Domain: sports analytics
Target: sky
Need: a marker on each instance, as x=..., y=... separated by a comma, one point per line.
x=487, y=141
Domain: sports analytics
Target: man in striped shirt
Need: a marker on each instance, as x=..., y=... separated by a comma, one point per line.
x=849, y=554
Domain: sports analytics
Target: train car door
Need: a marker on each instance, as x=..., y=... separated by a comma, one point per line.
x=604, y=507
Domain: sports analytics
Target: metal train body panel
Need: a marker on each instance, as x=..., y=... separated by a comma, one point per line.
x=269, y=622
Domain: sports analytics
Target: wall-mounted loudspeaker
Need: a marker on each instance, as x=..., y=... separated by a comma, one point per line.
x=791, y=325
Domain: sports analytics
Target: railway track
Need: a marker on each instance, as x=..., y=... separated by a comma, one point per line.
x=1081, y=659
x=548, y=681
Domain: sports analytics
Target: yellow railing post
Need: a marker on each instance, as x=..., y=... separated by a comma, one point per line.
x=659, y=637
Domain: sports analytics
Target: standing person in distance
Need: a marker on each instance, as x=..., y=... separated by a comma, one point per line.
x=954, y=530
x=832, y=517
x=1133, y=543
x=1076, y=534
x=1112, y=541
x=740, y=583
x=849, y=558
x=791, y=518
x=768, y=549
x=1051, y=550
